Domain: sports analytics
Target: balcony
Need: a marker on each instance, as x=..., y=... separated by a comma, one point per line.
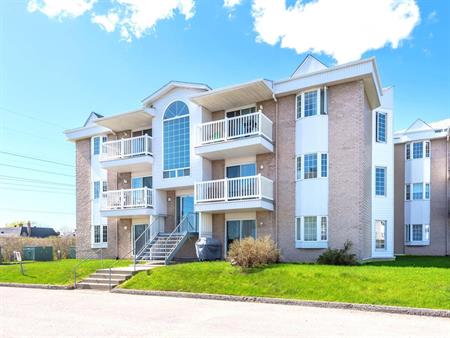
x=127, y=154
x=244, y=135
x=127, y=203
x=233, y=194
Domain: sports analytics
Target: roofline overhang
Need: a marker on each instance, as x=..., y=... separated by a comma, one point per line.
x=171, y=85
x=85, y=132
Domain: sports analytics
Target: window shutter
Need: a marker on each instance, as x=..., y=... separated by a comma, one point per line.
x=323, y=101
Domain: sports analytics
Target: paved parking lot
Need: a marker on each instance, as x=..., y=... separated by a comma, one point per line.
x=84, y=313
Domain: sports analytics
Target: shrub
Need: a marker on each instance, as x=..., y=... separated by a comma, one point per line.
x=338, y=256
x=10, y=244
x=250, y=252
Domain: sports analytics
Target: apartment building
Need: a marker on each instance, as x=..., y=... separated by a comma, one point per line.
x=422, y=197
x=306, y=160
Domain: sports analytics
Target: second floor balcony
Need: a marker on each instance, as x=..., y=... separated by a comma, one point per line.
x=230, y=194
x=127, y=154
x=127, y=202
x=244, y=135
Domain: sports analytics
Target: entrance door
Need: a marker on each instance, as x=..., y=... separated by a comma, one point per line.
x=239, y=229
x=185, y=207
x=138, y=229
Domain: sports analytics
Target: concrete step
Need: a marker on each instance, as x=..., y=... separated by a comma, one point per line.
x=115, y=271
x=101, y=275
x=95, y=286
x=94, y=280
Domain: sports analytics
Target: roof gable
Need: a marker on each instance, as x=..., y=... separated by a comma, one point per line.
x=92, y=117
x=309, y=64
x=171, y=85
x=418, y=125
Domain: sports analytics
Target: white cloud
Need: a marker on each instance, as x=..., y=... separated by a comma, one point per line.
x=108, y=22
x=61, y=8
x=230, y=4
x=342, y=29
x=134, y=18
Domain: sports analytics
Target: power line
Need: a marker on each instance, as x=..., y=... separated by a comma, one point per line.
x=36, y=159
x=39, y=211
x=15, y=131
x=35, y=170
x=32, y=117
x=17, y=178
x=24, y=184
x=39, y=191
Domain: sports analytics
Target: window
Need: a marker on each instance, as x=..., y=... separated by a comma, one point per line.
x=408, y=151
x=380, y=127
x=408, y=192
x=176, y=142
x=417, y=191
x=324, y=228
x=324, y=165
x=299, y=167
x=427, y=149
x=417, y=150
x=310, y=166
x=104, y=186
x=380, y=181
x=239, y=112
x=99, y=236
x=380, y=235
x=96, y=147
x=417, y=234
x=299, y=105
x=241, y=170
x=427, y=191
x=239, y=229
x=96, y=189
x=311, y=229
x=310, y=104
x=141, y=182
x=323, y=101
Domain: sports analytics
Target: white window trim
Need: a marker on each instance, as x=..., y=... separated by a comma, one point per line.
x=385, y=182
x=407, y=145
x=411, y=191
x=101, y=141
x=385, y=127
x=411, y=150
x=319, y=243
x=319, y=167
x=375, y=235
x=101, y=244
x=424, y=242
x=162, y=142
x=319, y=108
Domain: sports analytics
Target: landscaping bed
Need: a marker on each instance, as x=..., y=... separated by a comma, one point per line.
x=53, y=272
x=408, y=281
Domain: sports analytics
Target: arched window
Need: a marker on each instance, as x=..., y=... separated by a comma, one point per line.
x=176, y=143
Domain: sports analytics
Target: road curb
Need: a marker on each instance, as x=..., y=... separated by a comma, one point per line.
x=38, y=286
x=281, y=301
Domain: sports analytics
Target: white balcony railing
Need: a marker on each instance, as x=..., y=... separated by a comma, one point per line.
x=230, y=189
x=235, y=127
x=127, y=198
x=126, y=147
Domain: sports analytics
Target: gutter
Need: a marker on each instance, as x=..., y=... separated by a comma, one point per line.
x=276, y=167
x=447, y=191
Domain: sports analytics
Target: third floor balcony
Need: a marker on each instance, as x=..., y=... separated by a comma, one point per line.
x=244, y=135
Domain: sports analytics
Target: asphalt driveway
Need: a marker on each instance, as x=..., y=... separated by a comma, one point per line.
x=82, y=313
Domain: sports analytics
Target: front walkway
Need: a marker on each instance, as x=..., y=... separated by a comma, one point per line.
x=86, y=313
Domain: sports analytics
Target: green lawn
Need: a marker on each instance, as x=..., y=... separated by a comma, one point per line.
x=409, y=281
x=54, y=272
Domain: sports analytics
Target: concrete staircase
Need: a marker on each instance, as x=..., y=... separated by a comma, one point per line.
x=99, y=280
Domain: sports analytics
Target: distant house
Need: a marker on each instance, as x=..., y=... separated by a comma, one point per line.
x=28, y=231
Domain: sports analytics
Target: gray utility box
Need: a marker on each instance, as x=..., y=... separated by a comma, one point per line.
x=208, y=249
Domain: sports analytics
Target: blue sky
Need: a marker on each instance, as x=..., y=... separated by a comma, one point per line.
x=56, y=69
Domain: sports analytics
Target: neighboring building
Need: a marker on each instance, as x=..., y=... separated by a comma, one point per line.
x=422, y=189
x=28, y=231
x=307, y=160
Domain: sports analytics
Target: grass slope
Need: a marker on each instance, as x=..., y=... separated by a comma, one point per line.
x=410, y=281
x=54, y=272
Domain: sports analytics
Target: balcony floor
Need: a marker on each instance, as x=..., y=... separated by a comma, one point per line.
x=127, y=212
x=128, y=164
x=240, y=147
x=236, y=205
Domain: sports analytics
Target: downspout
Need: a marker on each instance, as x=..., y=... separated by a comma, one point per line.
x=447, y=191
x=276, y=168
